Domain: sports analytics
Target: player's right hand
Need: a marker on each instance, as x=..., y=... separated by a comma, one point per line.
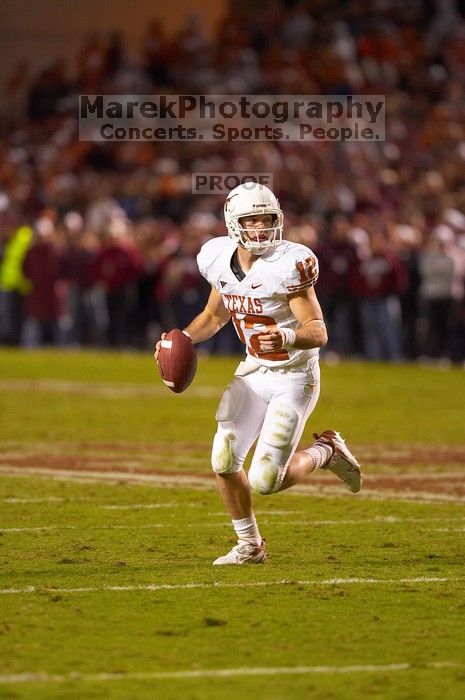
x=270, y=341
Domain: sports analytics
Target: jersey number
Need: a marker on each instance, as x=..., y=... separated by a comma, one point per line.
x=306, y=270
x=244, y=323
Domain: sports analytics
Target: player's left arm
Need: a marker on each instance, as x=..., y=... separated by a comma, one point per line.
x=312, y=334
x=307, y=310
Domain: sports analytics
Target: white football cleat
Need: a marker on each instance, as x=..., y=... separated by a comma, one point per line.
x=243, y=553
x=342, y=462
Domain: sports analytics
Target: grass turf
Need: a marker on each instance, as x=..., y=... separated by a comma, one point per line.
x=371, y=403
x=95, y=536
x=299, y=623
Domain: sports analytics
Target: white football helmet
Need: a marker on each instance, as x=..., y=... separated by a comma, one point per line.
x=250, y=199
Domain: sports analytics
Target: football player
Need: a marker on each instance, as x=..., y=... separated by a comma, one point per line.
x=265, y=285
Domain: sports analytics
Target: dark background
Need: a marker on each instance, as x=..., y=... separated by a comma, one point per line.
x=98, y=242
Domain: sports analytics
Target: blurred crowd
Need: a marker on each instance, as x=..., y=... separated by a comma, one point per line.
x=98, y=241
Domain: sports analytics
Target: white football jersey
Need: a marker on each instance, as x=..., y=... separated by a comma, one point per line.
x=260, y=302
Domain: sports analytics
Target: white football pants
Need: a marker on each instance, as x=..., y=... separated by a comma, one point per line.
x=272, y=405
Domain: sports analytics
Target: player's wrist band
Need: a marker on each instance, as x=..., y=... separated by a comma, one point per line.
x=288, y=335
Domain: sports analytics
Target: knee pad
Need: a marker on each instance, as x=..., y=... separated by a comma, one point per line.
x=223, y=453
x=279, y=427
x=273, y=450
x=263, y=474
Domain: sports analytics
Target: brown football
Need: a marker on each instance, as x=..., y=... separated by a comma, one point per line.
x=177, y=360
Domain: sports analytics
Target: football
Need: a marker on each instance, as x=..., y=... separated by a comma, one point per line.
x=177, y=360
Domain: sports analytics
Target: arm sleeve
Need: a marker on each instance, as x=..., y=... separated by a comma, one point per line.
x=302, y=271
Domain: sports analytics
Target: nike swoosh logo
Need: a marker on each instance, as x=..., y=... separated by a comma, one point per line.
x=254, y=286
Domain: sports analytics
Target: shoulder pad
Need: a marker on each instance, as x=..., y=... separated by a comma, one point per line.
x=298, y=264
x=210, y=252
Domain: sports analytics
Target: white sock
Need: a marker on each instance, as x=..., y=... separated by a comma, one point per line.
x=321, y=454
x=247, y=530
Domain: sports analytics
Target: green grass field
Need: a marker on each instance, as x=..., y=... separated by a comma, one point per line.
x=108, y=531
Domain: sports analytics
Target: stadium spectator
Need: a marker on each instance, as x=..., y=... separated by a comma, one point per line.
x=406, y=241
x=157, y=242
x=79, y=251
x=43, y=266
x=115, y=271
x=379, y=280
x=338, y=264
x=187, y=292
x=442, y=272
x=15, y=242
x=47, y=90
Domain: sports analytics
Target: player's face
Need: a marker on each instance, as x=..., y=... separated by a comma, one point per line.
x=258, y=226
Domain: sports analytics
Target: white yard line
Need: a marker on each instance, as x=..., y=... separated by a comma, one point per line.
x=357, y=523
x=58, y=528
x=378, y=494
x=207, y=482
x=112, y=477
x=410, y=475
x=221, y=584
x=105, y=390
x=51, y=499
x=379, y=520
x=220, y=673
x=220, y=513
x=148, y=506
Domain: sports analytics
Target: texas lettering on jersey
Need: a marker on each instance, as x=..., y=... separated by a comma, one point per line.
x=259, y=303
x=242, y=305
